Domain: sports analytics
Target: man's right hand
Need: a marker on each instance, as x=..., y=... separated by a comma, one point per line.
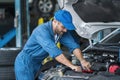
x=76, y=68
x=62, y=59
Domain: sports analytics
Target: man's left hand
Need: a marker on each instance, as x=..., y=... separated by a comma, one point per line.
x=85, y=65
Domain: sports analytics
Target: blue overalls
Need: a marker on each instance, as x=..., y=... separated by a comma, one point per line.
x=40, y=44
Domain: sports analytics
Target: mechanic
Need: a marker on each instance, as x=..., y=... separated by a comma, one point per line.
x=42, y=43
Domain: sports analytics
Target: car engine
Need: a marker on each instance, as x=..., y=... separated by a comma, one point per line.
x=104, y=60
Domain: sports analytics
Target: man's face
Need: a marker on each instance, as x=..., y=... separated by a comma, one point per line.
x=60, y=29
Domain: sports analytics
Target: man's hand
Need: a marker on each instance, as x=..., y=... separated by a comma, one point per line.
x=76, y=68
x=62, y=59
x=86, y=65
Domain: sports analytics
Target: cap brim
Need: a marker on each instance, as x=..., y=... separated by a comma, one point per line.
x=69, y=26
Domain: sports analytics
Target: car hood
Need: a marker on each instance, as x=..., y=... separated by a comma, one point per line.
x=91, y=16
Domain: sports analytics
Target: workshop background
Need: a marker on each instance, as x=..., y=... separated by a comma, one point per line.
x=19, y=17
x=17, y=20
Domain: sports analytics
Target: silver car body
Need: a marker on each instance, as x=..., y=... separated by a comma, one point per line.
x=85, y=29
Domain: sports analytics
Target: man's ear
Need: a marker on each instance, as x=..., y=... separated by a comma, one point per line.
x=55, y=22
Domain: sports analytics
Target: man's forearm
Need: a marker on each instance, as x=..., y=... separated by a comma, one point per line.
x=62, y=59
x=77, y=52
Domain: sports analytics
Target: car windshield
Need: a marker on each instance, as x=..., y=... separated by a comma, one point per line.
x=98, y=10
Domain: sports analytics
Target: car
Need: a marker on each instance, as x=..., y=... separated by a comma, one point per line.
x=93, y=19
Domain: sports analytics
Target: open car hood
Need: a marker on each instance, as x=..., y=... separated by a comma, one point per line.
x=91, y=16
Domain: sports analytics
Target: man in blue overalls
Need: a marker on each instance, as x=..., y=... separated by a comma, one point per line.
x=42, y=43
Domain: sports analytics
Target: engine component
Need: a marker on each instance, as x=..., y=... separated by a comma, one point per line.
x=96, y=66
x=76, y=77
x=114, y=68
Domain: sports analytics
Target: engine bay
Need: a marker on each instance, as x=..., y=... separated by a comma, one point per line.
x=105, y=65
